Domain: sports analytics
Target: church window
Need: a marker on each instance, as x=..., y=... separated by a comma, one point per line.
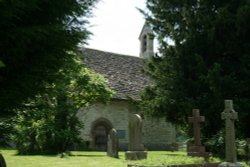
x=144, y=43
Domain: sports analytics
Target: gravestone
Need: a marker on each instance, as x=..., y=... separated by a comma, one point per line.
x=2, y=161
x=113, y=144
x=248, y=151
x=229, y=115
x=136, y=149
x=197, y=149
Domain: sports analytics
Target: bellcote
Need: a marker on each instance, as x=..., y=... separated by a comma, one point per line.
x=146, y=42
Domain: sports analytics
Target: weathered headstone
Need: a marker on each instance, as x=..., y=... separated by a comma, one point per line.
x=136, y=149
x=113, y=145
x=248, y=151
x=2, y=161
x=196, y=149
x=229, y=115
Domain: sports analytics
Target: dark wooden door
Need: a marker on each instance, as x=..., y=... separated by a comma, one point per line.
x=101, y=137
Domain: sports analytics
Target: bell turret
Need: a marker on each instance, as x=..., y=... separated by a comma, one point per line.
x=146, y=42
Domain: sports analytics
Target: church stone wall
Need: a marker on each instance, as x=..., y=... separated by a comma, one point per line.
x=157, y=133
x=116, y=112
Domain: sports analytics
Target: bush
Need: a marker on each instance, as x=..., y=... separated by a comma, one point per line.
x=5, y=130
x=216, y=145
x=40, y=131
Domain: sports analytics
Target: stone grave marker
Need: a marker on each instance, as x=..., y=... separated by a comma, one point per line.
x=135, y=147
x=113, y=144
x=248, y=151
x=2, y=161
x=229, y=115
x=197, y=149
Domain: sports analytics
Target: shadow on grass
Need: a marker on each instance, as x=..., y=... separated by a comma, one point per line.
x=80, y=155
x=179, y=155
x=87, y=155
x=27, y=155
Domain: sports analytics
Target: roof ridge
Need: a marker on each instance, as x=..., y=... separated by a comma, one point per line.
x=108, y=52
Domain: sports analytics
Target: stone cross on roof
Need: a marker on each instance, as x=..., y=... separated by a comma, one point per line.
x=196, y=119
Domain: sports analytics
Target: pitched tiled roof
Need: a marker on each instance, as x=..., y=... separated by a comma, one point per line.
x=123, y=72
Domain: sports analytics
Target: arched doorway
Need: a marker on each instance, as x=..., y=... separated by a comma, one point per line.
x=99, y=133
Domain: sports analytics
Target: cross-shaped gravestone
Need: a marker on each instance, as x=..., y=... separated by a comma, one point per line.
x=197, y=149
x=229, y=115
x=196, y=119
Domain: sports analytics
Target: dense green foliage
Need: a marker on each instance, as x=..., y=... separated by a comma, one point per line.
x=48, y=124
x=1, y=64
x=6, y=129
x=203, y=59
x=35, y=37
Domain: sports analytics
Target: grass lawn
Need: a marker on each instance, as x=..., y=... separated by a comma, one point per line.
x=95, y=159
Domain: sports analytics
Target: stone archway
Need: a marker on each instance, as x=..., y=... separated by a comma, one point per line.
x=99, y=132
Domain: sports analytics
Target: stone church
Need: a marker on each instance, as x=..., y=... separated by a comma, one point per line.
x=125, y=77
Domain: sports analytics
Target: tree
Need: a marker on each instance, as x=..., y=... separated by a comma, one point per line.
x=48, y=124
x=35, y=39
x=1, y=64
x=203, y=59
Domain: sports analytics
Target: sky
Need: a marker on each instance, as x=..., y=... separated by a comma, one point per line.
x=116, y=25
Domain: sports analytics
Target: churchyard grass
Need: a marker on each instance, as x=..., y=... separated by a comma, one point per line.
x=96, y=159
